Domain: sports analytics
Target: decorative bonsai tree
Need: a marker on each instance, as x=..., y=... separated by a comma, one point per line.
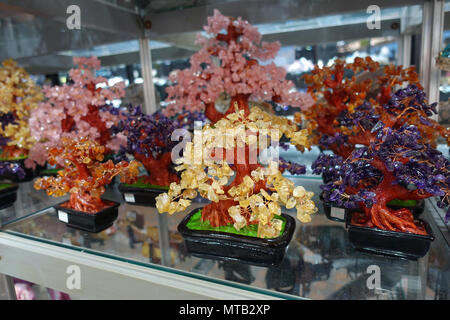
x=19, y=95
x=84, y=175
x=230, y=148
x=338, y=96
x=77, y=109
x=396, y=164
x=229, y=64
x=149, y=140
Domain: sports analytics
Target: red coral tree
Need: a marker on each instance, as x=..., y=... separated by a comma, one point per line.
x=230, y=63
x=84, y=175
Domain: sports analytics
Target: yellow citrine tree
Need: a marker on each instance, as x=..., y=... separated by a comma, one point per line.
x=18, y=96
x=222, y=164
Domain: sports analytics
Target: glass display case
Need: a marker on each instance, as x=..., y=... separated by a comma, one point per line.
x=143, y=255
x=319, y=263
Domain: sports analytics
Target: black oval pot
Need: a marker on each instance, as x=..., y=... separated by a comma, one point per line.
x=8, y=196
x=91, y=222
x=398, y=244
x=228, y=246
x=140, y=196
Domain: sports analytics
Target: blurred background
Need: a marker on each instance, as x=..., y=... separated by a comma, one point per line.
x=310, y=32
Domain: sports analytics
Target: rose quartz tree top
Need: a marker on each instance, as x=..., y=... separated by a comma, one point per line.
x=66, y=107
x=230, y=62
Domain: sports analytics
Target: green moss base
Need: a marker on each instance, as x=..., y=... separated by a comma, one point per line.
x=195, y=223
x=5, y=185
x=403, y=203
x=50, y=171
x=140, y=184
x=14, y=159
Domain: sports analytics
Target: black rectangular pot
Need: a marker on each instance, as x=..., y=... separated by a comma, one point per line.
x=397, y=244
x=8, y=196
x=228, y=246
x=140, y=196
x=95, y=222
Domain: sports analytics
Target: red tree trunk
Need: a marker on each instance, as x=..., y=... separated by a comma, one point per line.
x=67, y=123
x=94, y=119
x=380, y=216
x=241, y=100
x=158, y=169
x=212, y=114
x=85, y=203
x=217, y=212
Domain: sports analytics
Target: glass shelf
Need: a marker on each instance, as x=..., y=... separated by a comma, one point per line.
x=319, y=263
x=29, y=201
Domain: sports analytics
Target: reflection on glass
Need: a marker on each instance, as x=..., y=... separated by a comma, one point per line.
x=319, y=263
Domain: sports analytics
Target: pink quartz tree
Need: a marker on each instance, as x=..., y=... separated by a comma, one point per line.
x=77, y=109
x=230, y=62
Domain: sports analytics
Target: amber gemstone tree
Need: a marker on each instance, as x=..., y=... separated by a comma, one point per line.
x=84, y=175
x=230, y=63
x=222, y=165
x=342, y=89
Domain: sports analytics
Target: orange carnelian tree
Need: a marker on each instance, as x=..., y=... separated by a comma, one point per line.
x=338, y=95
x=84, y=175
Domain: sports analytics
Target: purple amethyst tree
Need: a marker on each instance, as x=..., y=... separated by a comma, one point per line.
x=11, y=169
x=149, y=140
x=396, y=164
